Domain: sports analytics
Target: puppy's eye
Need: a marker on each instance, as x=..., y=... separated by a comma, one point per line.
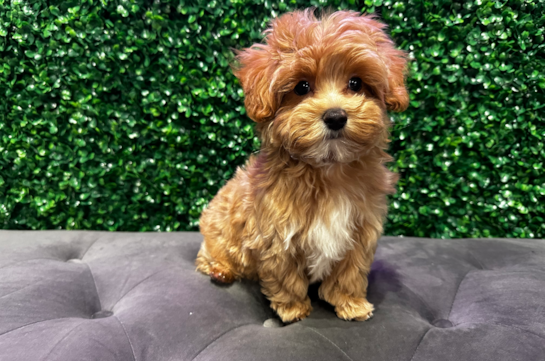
x=302, y=88
x=355, y=84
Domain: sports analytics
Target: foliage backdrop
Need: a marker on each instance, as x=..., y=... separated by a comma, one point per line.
x=124, y=115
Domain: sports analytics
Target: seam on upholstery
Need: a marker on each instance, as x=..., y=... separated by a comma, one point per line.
x=419, y=342
x=428, y=308
x=62, y=339
x=95, y=283
x=136, y=285
x=22, y=288
x=28, y=260
x=88, y=248
x=508, y=270
x=218, y=337
x=127, y=336
x=472, y=256
x=331, y=342
x=33, y=323
x=456, y=294
x=499, y=324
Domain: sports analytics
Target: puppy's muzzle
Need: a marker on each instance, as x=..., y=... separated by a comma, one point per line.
x=335, y=118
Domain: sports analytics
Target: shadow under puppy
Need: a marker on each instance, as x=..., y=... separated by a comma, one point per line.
x=311, y=205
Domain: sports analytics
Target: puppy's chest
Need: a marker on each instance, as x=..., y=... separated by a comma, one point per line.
x=330, y=237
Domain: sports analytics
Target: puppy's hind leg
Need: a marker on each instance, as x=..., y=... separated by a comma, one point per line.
x=218, y=270
x=222, y=225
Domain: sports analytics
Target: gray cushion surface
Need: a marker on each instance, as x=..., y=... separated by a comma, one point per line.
x=74, y=295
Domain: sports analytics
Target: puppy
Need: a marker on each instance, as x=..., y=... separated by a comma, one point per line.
x=311, y=205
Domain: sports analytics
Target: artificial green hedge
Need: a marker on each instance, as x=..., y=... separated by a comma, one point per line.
x=124, y=115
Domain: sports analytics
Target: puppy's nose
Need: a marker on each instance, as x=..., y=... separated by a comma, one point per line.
x=335, y=118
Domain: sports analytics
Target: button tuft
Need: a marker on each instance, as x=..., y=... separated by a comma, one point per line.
x=272, y=323
x=442, y=323
x=102, y=314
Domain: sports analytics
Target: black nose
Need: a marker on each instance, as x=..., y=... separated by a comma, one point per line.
x=335, y=118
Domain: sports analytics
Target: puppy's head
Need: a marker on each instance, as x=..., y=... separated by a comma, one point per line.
x=320, y=88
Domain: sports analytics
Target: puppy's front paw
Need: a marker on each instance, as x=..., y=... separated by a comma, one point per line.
x=292, y=311
x=358, y=309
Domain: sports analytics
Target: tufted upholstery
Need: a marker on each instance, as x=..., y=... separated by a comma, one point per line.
x=135, y=296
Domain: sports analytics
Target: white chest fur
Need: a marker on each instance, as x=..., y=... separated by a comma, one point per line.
x=329, y=238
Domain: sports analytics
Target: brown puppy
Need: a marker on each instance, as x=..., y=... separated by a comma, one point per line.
x=311, y=205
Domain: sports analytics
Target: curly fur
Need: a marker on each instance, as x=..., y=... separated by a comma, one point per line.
x=310, y=206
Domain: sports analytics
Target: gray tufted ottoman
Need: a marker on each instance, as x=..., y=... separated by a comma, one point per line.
x=135, y=296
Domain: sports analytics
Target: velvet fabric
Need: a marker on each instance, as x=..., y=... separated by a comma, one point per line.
x=81, y=295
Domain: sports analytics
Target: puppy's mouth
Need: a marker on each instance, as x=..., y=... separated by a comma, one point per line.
x=335, y=149
x=329, y=158
x=334, y=134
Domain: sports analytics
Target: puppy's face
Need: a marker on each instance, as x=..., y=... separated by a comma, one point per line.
x=321, y=88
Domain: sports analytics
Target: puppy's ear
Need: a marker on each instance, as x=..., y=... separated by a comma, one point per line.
x=254, y=67
x=396, y=98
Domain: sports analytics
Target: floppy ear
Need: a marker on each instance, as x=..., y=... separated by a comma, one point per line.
x=254, y=67
x=396, y=98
